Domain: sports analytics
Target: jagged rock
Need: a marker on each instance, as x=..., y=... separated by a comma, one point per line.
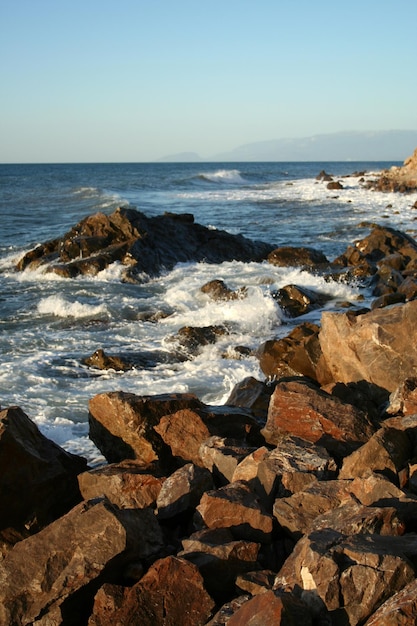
x=235, y=506
x=108, y=599
x=408, y=288
x=122, y=424
x=353, y=518
x=402, y=179
x=218, y=290
x=291, y=467
x=221, y=456
x=403, y=400
x=334, y=184
x=100, y=360
x=288, y=256
x=146, y=245
x=128, y=485
x=294, y=355
x=255, y=582
x=220, y=558
x=322, y=175
x=371, y=346
x=348, y=577
x=191, y=339
x=252, y=394
x=227, y=610
x=247, y=469
x=46, y=571
x=38, y=478
x=272, y=607
x=297, y=513
x=170, y=593
x=363, y=395
x=399, y=610
x=299, y=408
x=296, y=301
x=182, y=490
x=386, y=452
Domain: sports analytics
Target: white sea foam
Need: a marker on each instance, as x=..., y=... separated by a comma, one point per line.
x=58, y=306
x=223, y=176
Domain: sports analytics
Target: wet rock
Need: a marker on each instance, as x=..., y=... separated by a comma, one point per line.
x=296, y=301
x=100, y=360
x=218, y=290
x=334, y=184
x=294, y=355
x=170, y=593
x=191, y=339
x=299, y=408
x=348, y=577
x=237, y=508
x=371, y=346
x=145, y=245
x=252, y=394
x=38, y=478
x=182, y=490
x=322, y=175
x=47, y=571
x=387, y=300
x=288, y=256
x=127, y=485
x=220, y=558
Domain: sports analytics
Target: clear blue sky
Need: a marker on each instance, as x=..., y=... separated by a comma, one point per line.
x=135, y=80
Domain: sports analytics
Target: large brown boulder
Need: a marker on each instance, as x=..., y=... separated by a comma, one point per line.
x=38, y=480
x=280, y=609
x=143, y=244
x=301, y=409
x=289, y=256
x=402, y=179
x=46, y=571
x=377, y=346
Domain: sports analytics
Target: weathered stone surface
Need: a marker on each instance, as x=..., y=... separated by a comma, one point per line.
x=256, y=582
x=403, y=400
x=170, y=593
x=292, y=466
x=297, y=513
x=296, y=301
x=294, y=355
x=353, y=518
x=386, y=452
x=144, y=244
x=272, y=608
x=252, y=394
x=51, y=566
x=220, y=558
x=288, y=256
x=221, y=456
x=128, y=485
x=399, y=610
x=371, y=346
x=402, y=179
x=190, y=339
x=183, y=490
x=350, y=577
x=226, y=611
x=108, y=599
x=183, y=431
x=301, y=409
x=122, y=424
x=218, y=290
x=247, y=469
x=38, y=478
x=236, y=507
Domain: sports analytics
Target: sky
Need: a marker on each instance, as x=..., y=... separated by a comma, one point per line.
x=136, y=80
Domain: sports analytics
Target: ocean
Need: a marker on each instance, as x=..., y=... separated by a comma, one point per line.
x=49, y=325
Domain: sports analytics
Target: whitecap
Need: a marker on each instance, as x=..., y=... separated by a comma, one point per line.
x=58, y=306
x=223, y=176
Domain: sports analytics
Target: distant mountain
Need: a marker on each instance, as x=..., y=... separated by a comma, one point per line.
x=390, y=145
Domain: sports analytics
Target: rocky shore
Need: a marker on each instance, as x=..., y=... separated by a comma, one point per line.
x=295, y=502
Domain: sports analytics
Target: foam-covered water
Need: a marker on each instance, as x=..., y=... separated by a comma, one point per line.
x=49, y=325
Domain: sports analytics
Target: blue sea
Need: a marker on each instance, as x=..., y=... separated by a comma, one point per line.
x=48, y=324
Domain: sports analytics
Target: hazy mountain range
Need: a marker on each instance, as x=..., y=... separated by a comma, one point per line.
x=389, y=145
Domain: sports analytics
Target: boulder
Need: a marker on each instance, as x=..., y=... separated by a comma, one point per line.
x=226, y=611
x=352, y=518
x=102, y=361
x=182, y=490
x=183, y=431
x=402, y=179
x=252, y=394
x=38, y=478
x=127, y=485
x=299, y=408
x=48, y=571
x=108, y=599
x=296, y=301
x=190, y=339
x=371, y=346
x=171, y=592
x=399, y=610
x=272, y=607
x=220, y=558
x=221, y=456
x=403, y=400
x=348, y=577
x=289, y=256
x=219, y=291
x=255, y=582
x=145, y=245
x=294, y=355
x=237, y=508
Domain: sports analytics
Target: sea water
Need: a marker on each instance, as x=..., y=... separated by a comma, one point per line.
x=49, y=325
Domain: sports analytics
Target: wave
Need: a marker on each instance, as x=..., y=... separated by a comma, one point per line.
x=223, y=176
x=58, y=306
